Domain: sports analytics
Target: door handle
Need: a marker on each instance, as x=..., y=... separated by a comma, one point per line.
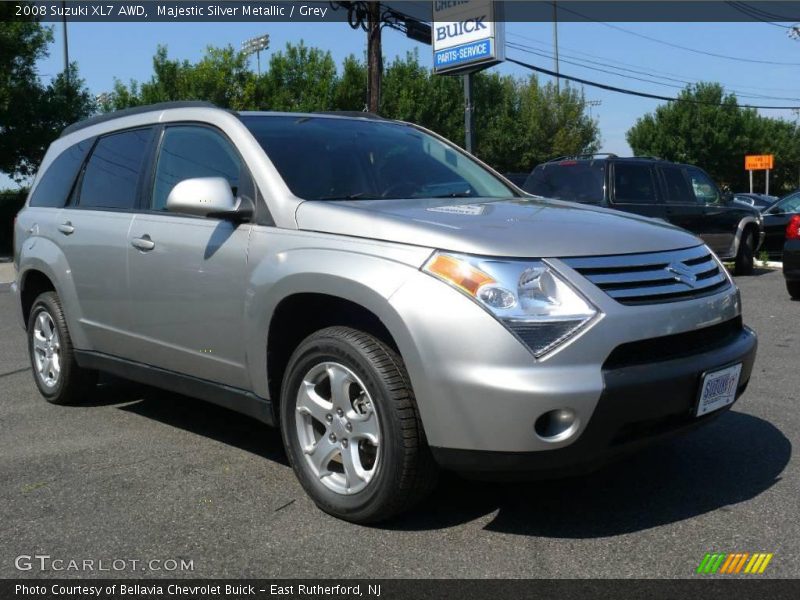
x=66, y=228
x=143, y=243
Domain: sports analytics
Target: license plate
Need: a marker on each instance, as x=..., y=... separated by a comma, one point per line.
x=718, y=389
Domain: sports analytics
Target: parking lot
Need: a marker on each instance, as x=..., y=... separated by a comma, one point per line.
x=146, y=475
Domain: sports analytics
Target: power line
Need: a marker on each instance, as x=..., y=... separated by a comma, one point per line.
x=754, y=13
x=612, y=88
x=581, y=64
x=666, y=75
x=678, y=46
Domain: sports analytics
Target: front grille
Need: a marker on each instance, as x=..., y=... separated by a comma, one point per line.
x=655, y=277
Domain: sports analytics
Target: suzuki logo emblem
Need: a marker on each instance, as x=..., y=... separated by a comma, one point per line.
x=682, y=273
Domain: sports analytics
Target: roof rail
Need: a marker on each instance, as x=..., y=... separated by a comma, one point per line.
x=350, y=113
x=135, y=110
x=579, y=156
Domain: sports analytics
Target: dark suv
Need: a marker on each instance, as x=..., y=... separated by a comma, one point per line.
x=683, y=195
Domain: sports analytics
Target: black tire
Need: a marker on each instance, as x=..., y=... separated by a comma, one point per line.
x=793, y=287
x=405, y=471
x=73, y=384
x=745, y=259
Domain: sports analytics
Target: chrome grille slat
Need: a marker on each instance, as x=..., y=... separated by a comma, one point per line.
x=634, y=260
x=654, y=277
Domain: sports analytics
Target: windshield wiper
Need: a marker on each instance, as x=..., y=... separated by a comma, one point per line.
x=454, y=195
x=356, y=196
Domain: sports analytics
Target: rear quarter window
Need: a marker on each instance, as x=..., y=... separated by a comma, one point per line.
x=634, y=184
x=56, y=183
x=569, y=180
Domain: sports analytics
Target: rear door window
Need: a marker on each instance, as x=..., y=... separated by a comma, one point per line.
x=678, y=189
x=569, y=180
x=56, y=184
x=633, y=184
x=112, y=175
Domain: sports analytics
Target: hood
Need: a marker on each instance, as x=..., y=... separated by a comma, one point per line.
x=512, y=227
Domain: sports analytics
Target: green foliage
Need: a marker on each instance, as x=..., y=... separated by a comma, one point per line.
x=32, y=114
x=518, y=122
x=709, y=129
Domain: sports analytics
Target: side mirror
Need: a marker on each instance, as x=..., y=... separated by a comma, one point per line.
x=208, y=197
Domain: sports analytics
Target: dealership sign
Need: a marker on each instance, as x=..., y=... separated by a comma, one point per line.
x=467, y=35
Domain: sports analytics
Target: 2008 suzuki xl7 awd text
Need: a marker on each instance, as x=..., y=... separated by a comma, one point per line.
x=390, y=302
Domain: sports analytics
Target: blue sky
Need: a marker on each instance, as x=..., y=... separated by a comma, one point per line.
x=124, y=50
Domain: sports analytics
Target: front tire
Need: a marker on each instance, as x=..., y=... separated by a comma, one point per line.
x=793, y=287
x=351, y=428
x=56, y=373
x=745, y=258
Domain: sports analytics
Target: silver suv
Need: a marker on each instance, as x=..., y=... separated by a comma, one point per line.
x=388, y=301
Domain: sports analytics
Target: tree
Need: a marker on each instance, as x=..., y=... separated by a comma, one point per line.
x=32, y=114
x=708, y=128
x=519, y=123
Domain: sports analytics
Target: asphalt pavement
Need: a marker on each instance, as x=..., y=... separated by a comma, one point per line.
x=143, y=475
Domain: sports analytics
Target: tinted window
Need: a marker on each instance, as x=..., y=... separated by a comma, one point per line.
x=790, y=204
x=323, y=158
x=569, y=180
x=56, y=183
x=188, y=152
x=705, y=190
x=112, y=173
x=633, y=184
x=678, y=189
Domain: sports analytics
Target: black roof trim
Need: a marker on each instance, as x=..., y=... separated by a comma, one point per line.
x=351, y=113
x=136, y=110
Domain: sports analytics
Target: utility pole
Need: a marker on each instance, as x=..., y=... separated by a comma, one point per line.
x=555, y=46
x=469, y=113
x=374, y=56
x=66, y=44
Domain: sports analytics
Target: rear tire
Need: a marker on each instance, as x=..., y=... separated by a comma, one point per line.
x=56, y=373
x=361, y=454
x=745, y=258
x=793, y=287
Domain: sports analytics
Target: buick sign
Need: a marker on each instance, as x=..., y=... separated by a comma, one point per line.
x=467, y=35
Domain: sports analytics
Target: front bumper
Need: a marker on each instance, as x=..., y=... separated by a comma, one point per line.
x=643, y=400
x=791, y=260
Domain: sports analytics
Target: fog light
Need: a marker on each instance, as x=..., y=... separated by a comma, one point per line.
x=556, y=425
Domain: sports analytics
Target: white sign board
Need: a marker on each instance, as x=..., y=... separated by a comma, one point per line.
x=466, y=35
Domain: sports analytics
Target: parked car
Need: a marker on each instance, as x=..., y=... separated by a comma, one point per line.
x=791, y=257
x=297, y=268
x=758, y=201
x=517, y=179
x=683, y=195
x=776, y=219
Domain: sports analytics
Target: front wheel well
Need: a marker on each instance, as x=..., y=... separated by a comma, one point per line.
x=32, y=286
x=300, y=315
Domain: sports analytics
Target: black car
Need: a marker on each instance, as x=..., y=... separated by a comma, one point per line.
x=776, y=218
x=759, y=201
x=683, y=195
x=791, y=257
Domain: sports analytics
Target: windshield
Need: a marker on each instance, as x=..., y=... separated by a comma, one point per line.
x=569, y=180
x=323, y=158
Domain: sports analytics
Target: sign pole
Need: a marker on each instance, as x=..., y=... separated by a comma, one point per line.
x=751, y=179
x=469, y=127
x=767, y=191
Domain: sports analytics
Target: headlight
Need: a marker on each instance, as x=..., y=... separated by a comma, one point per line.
x=527, y=296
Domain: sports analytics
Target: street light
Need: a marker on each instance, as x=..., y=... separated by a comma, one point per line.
x=256, y=45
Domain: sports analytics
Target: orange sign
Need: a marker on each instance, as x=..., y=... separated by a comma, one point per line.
x=758, y=162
